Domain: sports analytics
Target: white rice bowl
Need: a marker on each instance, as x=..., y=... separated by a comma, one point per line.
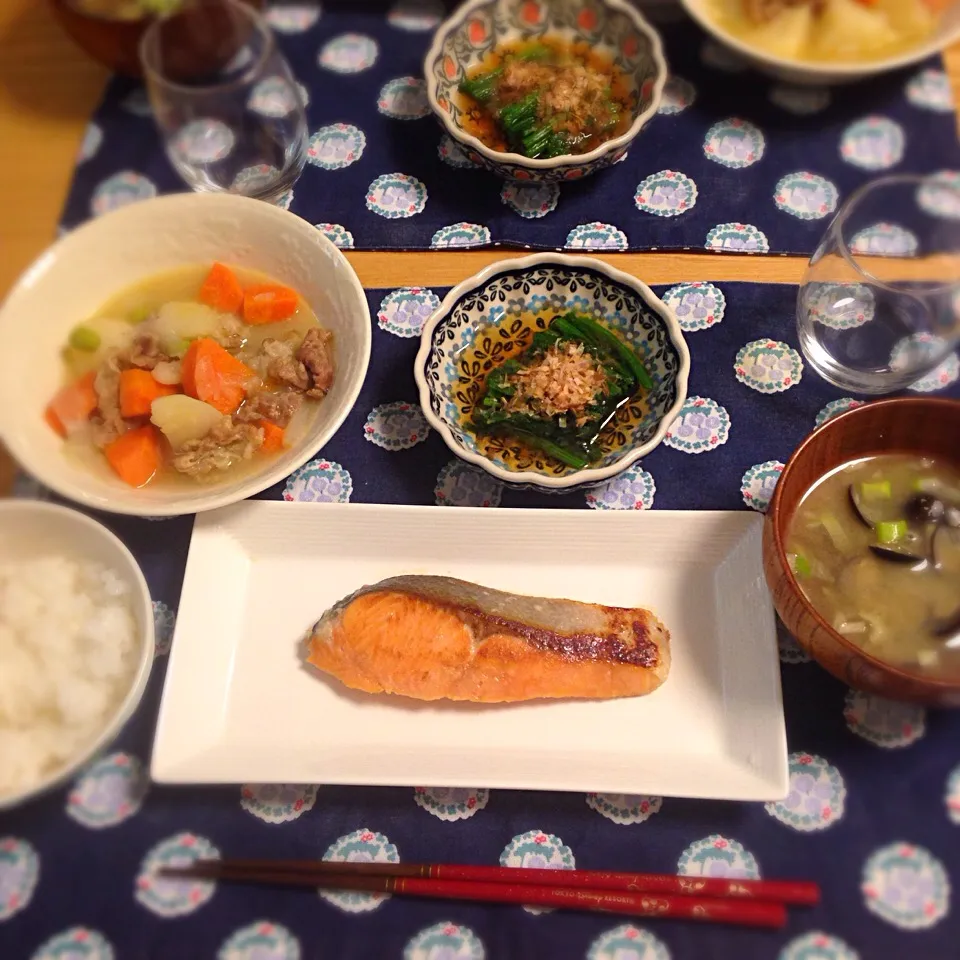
x=76, y=643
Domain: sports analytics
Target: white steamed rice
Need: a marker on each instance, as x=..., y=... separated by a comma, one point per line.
x=68, y=652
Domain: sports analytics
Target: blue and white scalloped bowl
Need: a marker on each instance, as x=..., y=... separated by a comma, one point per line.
x=476, y=27
x=531, y=283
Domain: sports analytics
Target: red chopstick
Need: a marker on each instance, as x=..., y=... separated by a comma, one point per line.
x=741, y=912
x=794, y=892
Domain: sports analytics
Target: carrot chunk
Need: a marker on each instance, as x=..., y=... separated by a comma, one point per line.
x=54, y=422
x=273, y=436
x=138, y=390
x=221, y=289
x=73, y=405
x=211, y=374
x=135, y=455
x=269, y=303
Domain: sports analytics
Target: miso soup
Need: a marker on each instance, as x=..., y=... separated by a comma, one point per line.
x=875, y=547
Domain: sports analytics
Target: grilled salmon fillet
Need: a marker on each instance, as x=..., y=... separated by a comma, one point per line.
x=436, y=638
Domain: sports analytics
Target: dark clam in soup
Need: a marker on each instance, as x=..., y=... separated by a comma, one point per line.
x=875, y=547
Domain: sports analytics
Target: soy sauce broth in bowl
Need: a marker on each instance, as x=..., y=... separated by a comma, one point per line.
x=546, y=98
x=875, y=547
x=564, y=388
x=861, y=548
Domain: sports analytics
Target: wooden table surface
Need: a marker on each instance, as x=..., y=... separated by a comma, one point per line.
x=48, y=90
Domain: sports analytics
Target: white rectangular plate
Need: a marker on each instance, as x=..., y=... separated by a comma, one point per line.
x=238, y=706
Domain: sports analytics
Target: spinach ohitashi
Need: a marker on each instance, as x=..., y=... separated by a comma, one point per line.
x=559, y=394
x=545, y=100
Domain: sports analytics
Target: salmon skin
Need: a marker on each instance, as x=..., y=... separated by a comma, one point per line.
x=436, y=638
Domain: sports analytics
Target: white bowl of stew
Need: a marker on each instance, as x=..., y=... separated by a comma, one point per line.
x=139, y=378
x=833, y=41
x=540, y=91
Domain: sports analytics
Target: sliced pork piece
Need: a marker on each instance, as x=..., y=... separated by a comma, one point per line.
x=230, y=333
x=281, y=363
x=226, y=444
x=107, y=423
x=316, y=354
x=144, y=352
x=277, y=407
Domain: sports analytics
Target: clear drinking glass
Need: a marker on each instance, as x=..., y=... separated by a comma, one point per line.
x=879, y=304
x=225, y=100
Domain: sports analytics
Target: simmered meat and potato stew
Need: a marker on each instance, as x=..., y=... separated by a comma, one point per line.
x=196, y=373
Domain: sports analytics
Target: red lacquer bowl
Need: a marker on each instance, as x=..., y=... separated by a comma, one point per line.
x=114, y=43
x=905, y=425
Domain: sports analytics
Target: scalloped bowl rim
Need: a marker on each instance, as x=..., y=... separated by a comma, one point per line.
x=456, y=19
x=590, y=475
x=55, y=514
x=827, y=69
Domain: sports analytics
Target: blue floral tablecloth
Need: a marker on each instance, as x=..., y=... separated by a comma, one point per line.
x=873, y=812
x=733, y=162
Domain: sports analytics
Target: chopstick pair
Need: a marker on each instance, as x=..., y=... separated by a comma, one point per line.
x=755, y=903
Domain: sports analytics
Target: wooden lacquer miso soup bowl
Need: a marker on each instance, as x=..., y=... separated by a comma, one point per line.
x=926, y=427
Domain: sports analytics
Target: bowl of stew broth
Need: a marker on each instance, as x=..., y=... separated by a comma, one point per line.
x=862, y=548
x=141, y=268
x=528, y=49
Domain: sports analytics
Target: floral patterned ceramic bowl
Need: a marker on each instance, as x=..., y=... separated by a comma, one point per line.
x=476, y=28
x=498, y=297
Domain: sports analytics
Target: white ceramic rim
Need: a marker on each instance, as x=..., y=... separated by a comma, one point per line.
x=147, y=649
x=590, y=474
x=850, y=69
x=569, y=159
x=258, y=481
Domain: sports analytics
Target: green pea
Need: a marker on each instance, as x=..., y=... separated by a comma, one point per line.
x=138, y=315
x=83, y=338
